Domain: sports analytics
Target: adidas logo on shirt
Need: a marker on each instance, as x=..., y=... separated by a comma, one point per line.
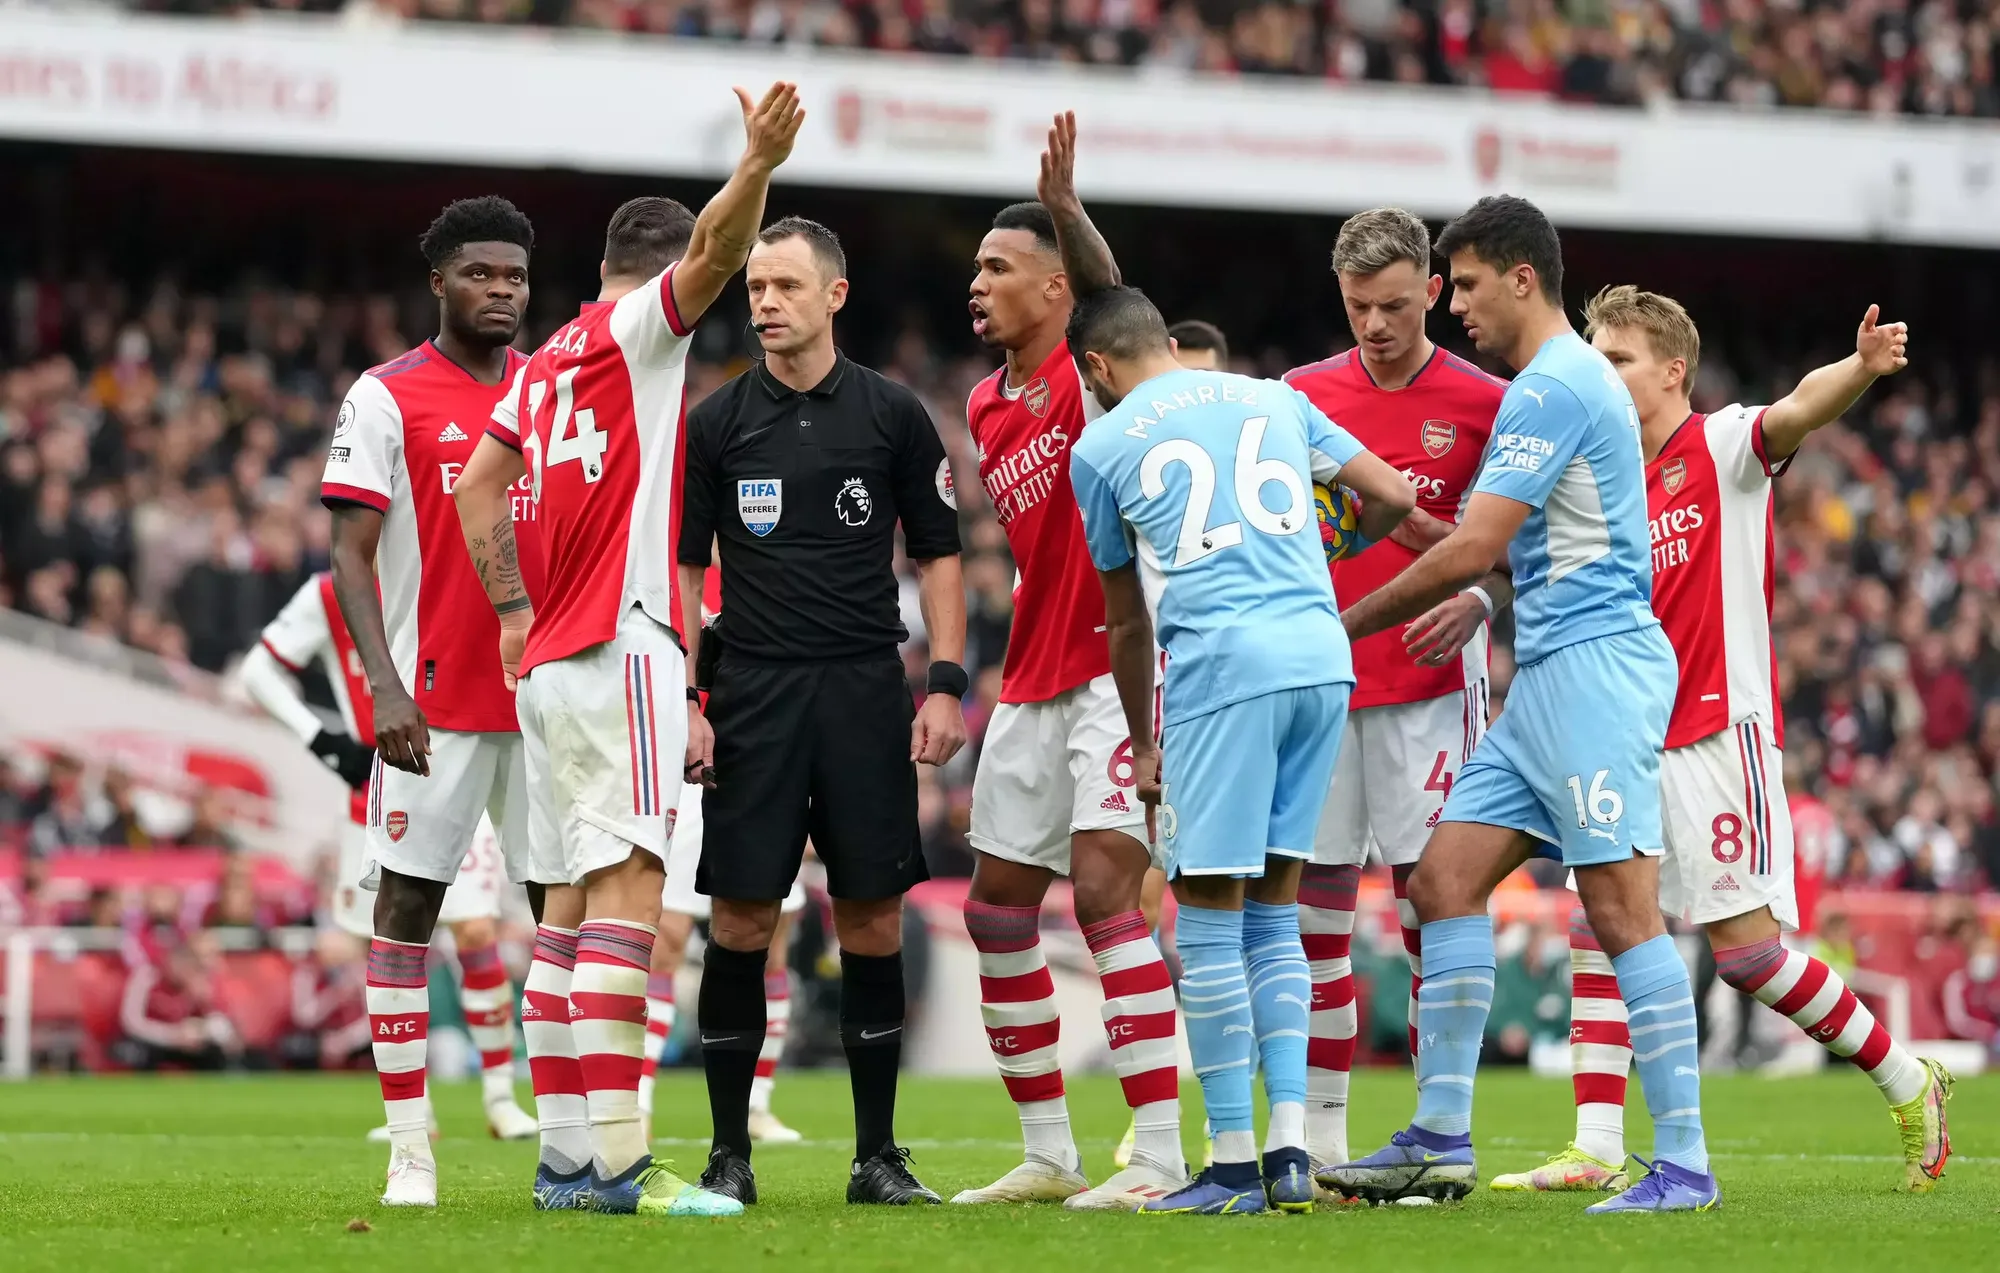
x=1727, y=884
x=1116, y=803
x=452, y=433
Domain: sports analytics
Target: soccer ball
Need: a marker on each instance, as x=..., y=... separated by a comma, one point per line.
x=1339, y=511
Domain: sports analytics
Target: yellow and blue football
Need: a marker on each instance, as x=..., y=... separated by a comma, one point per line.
x=1339, y=511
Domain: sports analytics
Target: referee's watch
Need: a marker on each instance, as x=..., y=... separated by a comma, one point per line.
x=947, y=678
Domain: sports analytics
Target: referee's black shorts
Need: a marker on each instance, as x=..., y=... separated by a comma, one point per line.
x=815, y=749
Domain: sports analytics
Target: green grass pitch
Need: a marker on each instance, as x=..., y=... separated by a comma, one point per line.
x=267, y=1172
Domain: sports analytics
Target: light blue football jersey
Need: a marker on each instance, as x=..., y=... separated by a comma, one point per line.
x=1566, y=443
x=1206, y=478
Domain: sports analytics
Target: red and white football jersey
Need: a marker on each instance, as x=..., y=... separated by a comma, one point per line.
x=605, y=434
x=311, y=629
x=1024, y=438
x=1708, y=501
x=403, y=436
x=1434, y=431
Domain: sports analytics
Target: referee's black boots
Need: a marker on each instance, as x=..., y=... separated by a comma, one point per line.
x=730, y=1175
x=886, y=1179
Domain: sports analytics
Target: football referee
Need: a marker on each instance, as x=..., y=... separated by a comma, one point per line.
x=801, y=468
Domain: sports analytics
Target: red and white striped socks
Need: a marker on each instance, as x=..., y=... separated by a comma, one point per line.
x=1794, y=984
x=608, y=995
x=1139, y=1023
x=552, y=1064
x=1406, y=915
x=659, y=1028
x=489, y=1019
x=1017, y=1001
x=1600, y=1045
x=399, y=1026
x=777, y=1023
x=1326, y=929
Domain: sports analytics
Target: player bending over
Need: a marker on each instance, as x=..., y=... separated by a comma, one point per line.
x=444, y=724
x=310, y=630
x=1177, y=484
x=595, y=423
x=1414, y=718
x=1574, y=761
x=1054, y=794
x=1728, y=865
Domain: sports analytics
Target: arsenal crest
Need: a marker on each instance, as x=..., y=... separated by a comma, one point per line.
x=1037, y=397
x=1672, y=474
x=1437, y=437
x=396, y=824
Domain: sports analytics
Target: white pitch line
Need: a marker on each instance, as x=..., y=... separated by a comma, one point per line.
x=192, y=1138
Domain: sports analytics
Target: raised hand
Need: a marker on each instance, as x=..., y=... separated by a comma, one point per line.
x=771, y=125
x=1056, y=187
x=1884, y=348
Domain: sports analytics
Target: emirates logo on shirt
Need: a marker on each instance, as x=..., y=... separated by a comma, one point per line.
x=1036, y=395
x=1437, y=437
x=1672, y=475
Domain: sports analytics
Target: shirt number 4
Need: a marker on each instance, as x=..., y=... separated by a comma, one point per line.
x=573, y=432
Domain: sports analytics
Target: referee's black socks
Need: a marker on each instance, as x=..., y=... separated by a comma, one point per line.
x=730, y=1013
x=871, y=1032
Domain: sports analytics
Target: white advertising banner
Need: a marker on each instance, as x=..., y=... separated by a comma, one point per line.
x=519, y=98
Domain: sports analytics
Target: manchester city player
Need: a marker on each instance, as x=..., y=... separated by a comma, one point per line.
x=1196, y=495
x=1573, y=764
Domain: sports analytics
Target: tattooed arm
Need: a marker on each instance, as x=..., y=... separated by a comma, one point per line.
x=486, y=518
x=1086, y=257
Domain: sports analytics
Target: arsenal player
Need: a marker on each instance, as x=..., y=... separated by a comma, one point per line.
x=1054, y=794
x=310, y=630
x=445, y=731
x=595, y=422
x=1729, y=834
x=1415, y=716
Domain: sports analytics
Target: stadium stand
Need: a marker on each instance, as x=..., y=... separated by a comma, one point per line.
x=1924, y=59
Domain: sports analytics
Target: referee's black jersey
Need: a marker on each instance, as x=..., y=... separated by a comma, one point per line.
x=805, y=490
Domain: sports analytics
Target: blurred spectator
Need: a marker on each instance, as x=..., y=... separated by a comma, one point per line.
x=120, y=827
x=209, y=828
x=329, y=1006
x=66, y=815
x=1972, y=997
x=237, y=906
x=173, y=1016
x=1928, y=58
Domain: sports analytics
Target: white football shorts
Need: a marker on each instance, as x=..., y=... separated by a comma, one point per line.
x=1396, y=767
x=475, y=894
x=606, y=739
x=1728, y=828
x=1054, y=768
x=423, y=826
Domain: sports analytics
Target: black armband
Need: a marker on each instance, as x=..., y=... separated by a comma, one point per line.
x=947, y=678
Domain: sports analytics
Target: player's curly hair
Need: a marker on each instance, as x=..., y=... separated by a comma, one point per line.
x=1504, y=231
x=486, y=219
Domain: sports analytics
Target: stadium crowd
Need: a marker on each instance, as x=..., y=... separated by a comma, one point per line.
x=1881, y=56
